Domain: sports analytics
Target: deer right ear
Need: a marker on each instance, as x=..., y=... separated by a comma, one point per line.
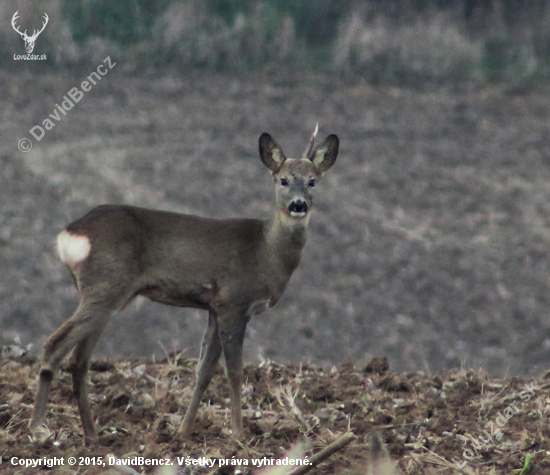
x=271, y=154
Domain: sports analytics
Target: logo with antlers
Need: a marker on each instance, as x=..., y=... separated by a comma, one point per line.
x=29, y=40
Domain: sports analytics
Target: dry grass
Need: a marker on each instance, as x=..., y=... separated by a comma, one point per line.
x=187, y=34
x=433, y=45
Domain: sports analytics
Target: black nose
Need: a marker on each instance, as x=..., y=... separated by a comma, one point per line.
x=298, y=206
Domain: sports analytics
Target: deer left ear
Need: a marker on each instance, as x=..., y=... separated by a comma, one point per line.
x=325, y=154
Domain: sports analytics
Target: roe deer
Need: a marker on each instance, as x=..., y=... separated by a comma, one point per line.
x=234, y=268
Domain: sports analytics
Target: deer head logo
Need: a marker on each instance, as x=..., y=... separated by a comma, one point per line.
x=29, y=40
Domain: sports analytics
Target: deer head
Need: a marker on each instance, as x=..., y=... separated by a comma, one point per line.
x=29, y=40
x=295, y=178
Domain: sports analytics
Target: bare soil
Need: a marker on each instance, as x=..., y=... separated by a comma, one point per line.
x=428, y=423
x=428, y=243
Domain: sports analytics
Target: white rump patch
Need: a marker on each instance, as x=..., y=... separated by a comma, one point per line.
x=73, y=248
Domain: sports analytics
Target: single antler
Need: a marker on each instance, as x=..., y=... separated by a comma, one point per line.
x=309, y=148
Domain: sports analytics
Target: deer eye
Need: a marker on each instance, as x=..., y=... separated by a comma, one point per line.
x=311, y=183
x=284, y=182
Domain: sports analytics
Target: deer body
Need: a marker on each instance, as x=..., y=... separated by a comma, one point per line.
x=233, y=268
x=195, y=271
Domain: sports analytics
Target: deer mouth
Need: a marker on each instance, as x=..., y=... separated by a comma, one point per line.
x=298, y=209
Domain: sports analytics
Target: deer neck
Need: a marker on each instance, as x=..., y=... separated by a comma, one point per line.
x=287, y=237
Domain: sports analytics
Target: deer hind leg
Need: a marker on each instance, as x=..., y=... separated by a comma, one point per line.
x=79, y=364
x=82, y=330
x=232, y=330
x=210, y=354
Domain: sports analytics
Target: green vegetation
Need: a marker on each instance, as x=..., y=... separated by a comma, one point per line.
x=124, y=21
x=394, y=42
x=525, y=468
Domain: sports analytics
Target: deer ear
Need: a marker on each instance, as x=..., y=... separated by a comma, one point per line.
x=325, y=154
x=271, y=154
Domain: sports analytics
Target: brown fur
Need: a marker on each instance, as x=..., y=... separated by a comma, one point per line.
x=233, y=268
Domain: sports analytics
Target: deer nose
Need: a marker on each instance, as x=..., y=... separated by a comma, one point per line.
x=298, y=206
